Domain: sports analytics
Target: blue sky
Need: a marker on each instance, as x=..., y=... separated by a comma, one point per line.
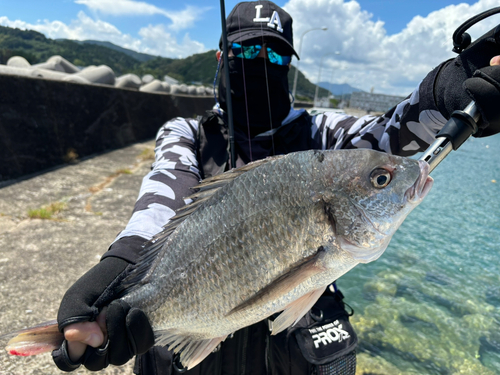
x=387, y=45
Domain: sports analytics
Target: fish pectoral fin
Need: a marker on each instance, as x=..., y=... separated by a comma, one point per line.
x=192, y=351
x=296, y=275
x=296, y=310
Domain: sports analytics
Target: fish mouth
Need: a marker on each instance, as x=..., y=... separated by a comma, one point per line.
x=422, y=186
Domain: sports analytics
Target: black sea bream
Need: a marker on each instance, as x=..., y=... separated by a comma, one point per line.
x=265, y=238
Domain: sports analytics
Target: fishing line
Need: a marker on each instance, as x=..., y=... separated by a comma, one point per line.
x=246, y=99
x=228, y=84
x=268, y=98
x=267, y=88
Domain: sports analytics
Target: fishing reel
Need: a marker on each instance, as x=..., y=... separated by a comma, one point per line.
x=462, y=124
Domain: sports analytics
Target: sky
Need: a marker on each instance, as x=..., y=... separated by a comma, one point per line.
x=387, y=46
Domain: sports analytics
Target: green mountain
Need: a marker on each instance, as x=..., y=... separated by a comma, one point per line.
x=199, y=68
x=136, y=55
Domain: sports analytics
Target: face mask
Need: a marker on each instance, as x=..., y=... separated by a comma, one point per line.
x=260, y=94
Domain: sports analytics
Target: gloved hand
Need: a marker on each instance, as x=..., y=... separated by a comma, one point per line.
x=128, y=331
x=484, y=88
x=470, y=77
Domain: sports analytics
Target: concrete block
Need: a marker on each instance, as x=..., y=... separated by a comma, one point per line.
x=147, y=78
x=200, y=91
x=100, y=74
x=166, y=86
x=191, y=90
x=49, y=65
x=18, y=62
x=63, y=64
x=183, y=89
x=130, y=81
x=175, y=89
x=48, y=74
x=73, y=78
x=154, y=86
x=15, y=71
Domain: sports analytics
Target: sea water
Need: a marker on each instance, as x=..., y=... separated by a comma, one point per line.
x=431, y=303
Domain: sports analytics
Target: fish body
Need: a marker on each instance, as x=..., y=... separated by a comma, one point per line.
x=269, y=237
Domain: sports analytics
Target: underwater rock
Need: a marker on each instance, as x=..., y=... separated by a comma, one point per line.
x=493, y=296
x=438, y=279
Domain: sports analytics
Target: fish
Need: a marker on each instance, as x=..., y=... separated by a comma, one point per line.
x=265, y=238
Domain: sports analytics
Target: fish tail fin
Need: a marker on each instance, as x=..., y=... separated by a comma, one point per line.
x=42, y=338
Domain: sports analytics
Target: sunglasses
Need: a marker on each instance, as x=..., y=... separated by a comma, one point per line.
x=251, y=52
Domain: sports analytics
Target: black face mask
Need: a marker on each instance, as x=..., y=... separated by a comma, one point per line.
x=260, y=94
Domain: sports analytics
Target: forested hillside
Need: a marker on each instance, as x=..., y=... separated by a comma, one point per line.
x=198, y=68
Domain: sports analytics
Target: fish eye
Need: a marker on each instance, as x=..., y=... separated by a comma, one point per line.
x=380, y=178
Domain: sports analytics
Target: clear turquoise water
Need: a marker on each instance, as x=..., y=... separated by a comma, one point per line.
x=431, y=303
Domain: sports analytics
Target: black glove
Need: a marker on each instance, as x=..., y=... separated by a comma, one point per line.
x=129, y=331
x=469, y=77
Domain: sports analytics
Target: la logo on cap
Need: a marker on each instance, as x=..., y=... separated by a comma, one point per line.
x=273, y=22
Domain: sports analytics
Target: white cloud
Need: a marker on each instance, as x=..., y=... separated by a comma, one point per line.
x=180, y=19
x=392, y=64
x=122, y=7
x=153, y=39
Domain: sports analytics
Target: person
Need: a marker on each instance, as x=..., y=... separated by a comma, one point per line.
x=260, y=43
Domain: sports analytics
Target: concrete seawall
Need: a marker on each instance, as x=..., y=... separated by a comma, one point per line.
x=47, y=123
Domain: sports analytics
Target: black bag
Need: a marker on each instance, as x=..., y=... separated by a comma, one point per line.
x=326, y=338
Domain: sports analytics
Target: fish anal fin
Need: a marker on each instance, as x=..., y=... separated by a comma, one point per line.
x=192, y=351
x=196, y=352
x=296, y=310
x=296, y=275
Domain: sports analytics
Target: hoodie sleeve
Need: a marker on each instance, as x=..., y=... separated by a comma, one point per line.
x=408, y=128
x=174, y=172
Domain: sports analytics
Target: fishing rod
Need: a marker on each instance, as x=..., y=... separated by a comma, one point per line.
x=229, y=100
x=462, y=124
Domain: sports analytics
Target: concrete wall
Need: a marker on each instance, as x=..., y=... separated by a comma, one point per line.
x=45, y=123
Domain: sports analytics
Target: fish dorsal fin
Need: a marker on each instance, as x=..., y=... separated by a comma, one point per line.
x=296, y=275
x=296, y=310
x=207, y=187
x=138, y=274
x=192, y=351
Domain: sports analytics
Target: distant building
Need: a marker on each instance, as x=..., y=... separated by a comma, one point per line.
x=374, y=102
x=170, y=80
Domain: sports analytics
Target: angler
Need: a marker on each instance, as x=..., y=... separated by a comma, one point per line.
x=260, y=49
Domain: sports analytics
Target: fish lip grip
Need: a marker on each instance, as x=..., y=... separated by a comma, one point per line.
x=454, y=133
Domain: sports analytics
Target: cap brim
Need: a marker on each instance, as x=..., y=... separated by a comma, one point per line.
x=251, y=34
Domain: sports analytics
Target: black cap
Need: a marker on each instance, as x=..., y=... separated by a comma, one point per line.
x=255, y=19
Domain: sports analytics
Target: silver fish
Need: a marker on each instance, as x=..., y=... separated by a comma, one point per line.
x=265, y=238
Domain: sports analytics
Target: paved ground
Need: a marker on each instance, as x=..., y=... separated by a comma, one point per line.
x=40, y=259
